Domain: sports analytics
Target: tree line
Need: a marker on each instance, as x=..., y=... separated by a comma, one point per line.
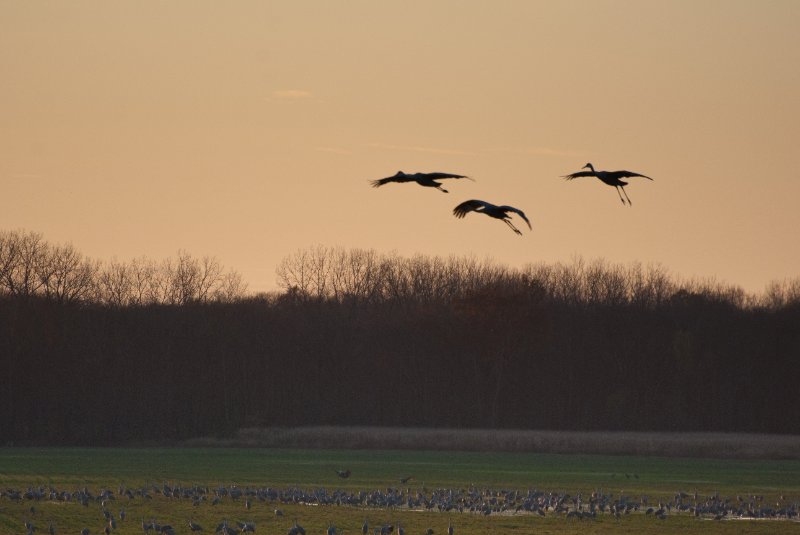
x=33, y=267
x=356, y=337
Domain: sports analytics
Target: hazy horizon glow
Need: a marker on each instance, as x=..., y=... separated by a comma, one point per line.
x=250, y=130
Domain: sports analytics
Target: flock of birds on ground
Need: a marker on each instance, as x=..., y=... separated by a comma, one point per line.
x=502, y=212
x=465, y=500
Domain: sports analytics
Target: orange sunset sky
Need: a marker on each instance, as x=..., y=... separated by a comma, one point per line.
x=249, y=129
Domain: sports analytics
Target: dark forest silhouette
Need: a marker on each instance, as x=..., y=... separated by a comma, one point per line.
x=361, y=338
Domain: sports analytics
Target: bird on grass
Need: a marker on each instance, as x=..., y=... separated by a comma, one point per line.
x=405, y=480
x=497, y=212
x=344, y=474
x=423, y=179
x=612, y=178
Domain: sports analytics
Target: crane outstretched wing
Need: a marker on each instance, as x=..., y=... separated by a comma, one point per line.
x=519, y=212
x=395, y=178
x=579, y=174
x=438, y=176
x=468, y=206
x=628, y=174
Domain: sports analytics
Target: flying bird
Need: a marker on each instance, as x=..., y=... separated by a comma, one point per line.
x=423, y=179
x=612, y=178
x=497, y=212
x=344, y=474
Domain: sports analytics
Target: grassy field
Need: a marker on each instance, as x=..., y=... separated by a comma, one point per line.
x=656, y=477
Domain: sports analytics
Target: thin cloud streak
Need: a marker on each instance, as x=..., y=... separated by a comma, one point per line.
x=333, y=150
x=538, y=151
x=25, y=176
x=292, y=94
x=412, y=148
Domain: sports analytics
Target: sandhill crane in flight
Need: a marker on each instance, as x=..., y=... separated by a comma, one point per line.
x=497, y=212
x=423, y=179
x=612, y=178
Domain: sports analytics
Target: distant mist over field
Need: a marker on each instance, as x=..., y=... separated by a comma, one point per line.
x=111, y=353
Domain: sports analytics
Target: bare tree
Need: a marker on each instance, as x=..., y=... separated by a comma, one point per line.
x=783, y=293
x=356, y=274
x=115, y=283
x=8, y=258
x=66, y=276
x=26, y=258
x=231, y=288
x=295, y=274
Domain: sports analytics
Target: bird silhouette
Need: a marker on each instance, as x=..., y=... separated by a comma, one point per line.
x=612, y=178
x=423, y=179
x=497, y=212
x=344, y=474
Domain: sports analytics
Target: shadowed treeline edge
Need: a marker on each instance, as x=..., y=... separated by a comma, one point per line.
x=711, y=445
x=361, y=339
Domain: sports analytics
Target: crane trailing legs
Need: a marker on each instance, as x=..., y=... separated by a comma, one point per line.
x=497, y=212
x=612, y=178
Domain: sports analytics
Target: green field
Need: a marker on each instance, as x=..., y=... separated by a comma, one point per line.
x=657, y=478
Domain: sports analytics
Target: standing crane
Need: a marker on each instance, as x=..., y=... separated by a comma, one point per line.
x=423, y=179
x=612, y=178
x=497, y=212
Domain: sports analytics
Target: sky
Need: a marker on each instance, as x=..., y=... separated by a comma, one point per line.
x=248, y=130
